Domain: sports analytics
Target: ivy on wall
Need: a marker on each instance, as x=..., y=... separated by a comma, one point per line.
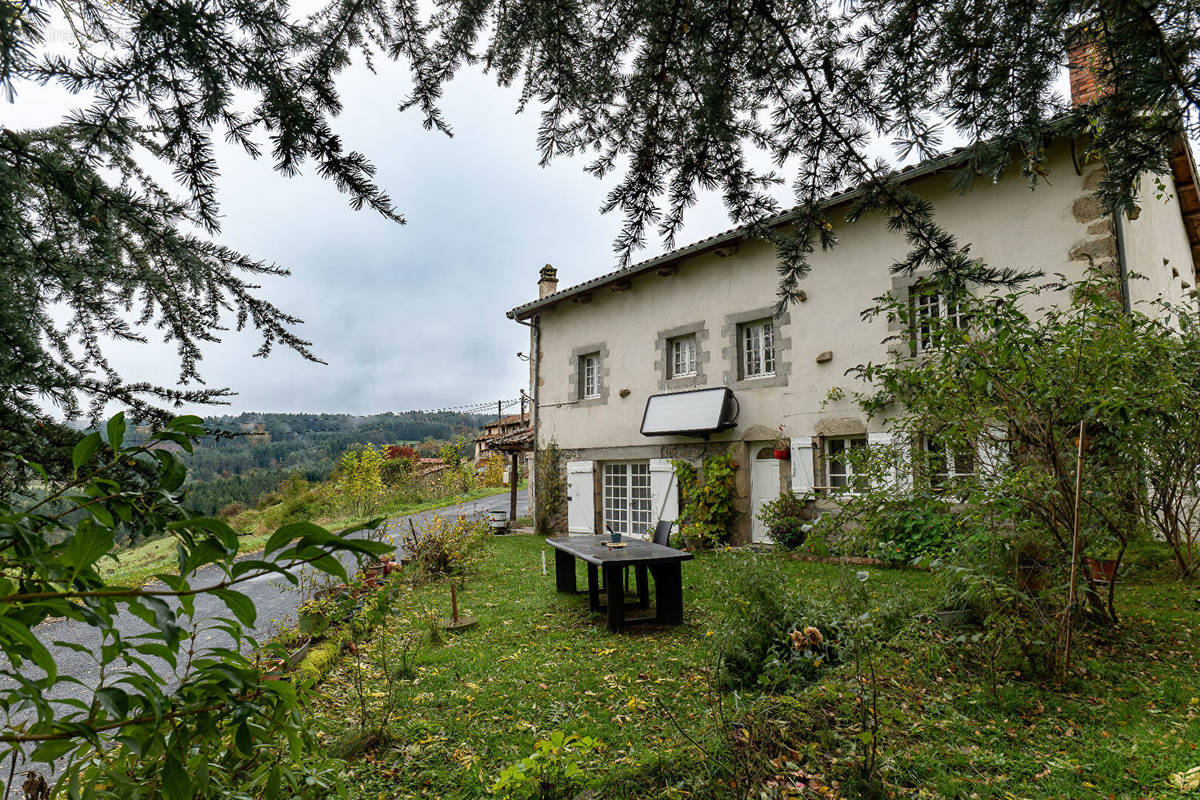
x=550, y=491
x=707, y=500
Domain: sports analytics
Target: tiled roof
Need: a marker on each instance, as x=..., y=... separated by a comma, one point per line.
x=910, y=173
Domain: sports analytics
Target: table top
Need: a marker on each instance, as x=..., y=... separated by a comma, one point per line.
x=636, y=551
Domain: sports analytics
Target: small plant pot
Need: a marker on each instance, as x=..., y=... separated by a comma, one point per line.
x=1102, y=570
x=390, y=566
x=782, y=455
x=297, y=655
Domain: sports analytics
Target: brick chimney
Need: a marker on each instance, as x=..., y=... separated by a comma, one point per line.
x=547, y=281
x=1084, y=63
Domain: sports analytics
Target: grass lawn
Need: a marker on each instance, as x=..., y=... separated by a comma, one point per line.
x=538, y=661
x=136, y=565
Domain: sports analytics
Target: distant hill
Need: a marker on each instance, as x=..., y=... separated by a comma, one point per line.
x=269, y=446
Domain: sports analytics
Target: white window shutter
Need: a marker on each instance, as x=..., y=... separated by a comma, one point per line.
x=664, y=491
x=581, y=497
x=802, y=464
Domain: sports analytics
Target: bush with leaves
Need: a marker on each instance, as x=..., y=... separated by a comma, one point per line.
x=788, y=518
x=360, y=480
x=1036, y=368
x=771, y=638
x=554, y=771
x=447, y=547
x=707, y=500
x=206, y=726
x=550, y=492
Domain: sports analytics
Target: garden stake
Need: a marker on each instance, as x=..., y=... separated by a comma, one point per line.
x=1074, y=553
x=456, y=624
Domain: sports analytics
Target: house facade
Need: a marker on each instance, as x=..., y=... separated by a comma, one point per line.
x=503, y=426
x=701, y=317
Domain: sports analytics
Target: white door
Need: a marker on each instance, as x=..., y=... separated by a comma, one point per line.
x=581, y=497
x=764, y=486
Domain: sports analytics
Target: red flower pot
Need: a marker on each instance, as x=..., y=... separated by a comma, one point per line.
x=782, y=455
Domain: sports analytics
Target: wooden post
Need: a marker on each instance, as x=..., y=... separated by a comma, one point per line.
x=453, y=603
x=512, y=491
x=1074, y=552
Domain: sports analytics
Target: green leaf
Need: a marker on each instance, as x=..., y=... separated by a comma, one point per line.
x=242, y=606
x=88, y=545
x=48, y=752
x=116, y=431
x=85, y=449
x=14, y=631
x=114, y=701
x=176, y=784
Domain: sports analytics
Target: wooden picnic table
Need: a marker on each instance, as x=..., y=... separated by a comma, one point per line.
x=662, y=563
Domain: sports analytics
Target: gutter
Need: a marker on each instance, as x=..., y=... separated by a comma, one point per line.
x=535, y=328
x=1122, y=264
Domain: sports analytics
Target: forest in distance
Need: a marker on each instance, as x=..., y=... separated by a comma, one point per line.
x=265, y=448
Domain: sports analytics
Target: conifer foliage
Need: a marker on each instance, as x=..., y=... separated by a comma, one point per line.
x=676, y=95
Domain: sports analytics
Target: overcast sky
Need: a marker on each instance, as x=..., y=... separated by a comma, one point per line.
x=406, y=316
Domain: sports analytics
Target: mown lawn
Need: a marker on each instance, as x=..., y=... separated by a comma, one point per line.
x=538, y=661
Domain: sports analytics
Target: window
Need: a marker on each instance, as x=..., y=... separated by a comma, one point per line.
x=683, y=357
x=934, y=313
x=946, y=464
x=758, y=349
x=839, y=472
x=627, y=497
x=589, y=376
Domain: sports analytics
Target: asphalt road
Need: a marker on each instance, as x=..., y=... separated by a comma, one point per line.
x=275, y=598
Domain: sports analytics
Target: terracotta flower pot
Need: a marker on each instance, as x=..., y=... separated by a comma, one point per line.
x=1102, y=570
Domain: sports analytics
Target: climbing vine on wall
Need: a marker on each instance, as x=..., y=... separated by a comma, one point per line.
x=550, y=491
x=707, y=500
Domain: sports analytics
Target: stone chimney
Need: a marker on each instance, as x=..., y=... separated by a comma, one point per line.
x=1084, y=63
x=547, y=281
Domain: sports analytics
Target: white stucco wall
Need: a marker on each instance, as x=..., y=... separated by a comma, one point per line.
x=1006, y=225
x=1156, y=246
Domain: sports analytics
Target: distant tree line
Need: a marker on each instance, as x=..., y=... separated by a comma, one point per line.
x=266, y=448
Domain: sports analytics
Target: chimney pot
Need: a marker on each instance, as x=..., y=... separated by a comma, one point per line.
x=547, y=281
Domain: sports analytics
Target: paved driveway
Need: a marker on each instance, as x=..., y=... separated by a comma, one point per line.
x=276, y=599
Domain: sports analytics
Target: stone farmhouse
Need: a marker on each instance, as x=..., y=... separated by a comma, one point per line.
x=638, y=344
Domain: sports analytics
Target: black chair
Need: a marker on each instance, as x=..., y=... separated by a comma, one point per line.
x=662, y=531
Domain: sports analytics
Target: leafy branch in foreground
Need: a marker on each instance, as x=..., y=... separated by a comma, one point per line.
x=177, y=711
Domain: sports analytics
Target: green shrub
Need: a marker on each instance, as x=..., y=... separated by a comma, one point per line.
x=447, y=548
x=708, y=509
x=788, y=518
x=905, y=531
x=551, y=772
x=770, y=638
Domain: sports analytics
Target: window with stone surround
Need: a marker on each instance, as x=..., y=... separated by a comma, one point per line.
x=933, y=313
x=683, y=356
x=757, y=349
x=589, y=376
